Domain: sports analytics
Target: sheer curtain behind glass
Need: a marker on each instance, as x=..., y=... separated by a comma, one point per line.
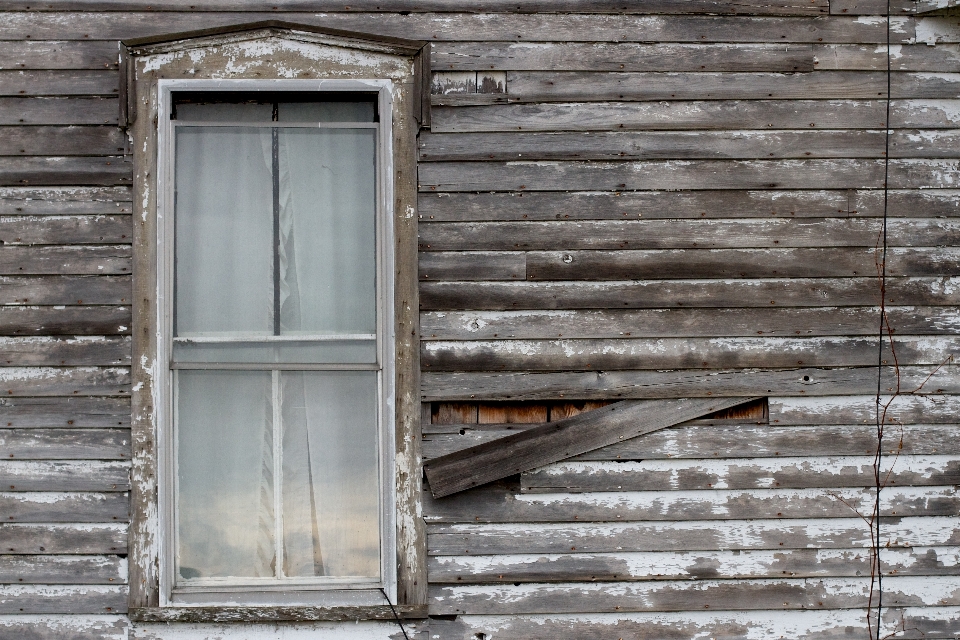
x=278, y=468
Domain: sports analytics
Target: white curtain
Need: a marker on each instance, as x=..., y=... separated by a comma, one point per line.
x=225, y=474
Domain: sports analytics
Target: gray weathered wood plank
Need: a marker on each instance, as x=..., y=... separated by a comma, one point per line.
x=678, y=353
x=562, y=439
x=697, y=114
x=65, y=170
x=59, y=55
x=689, y=174
x=842, y=321
x=50, y=569
x=702, y=565
x=16, y=475
x=63, y=599
x=740, y=473
x=742, y=7
x=499, y=504
x=35, y=506
x=77, y=229
x=610, y=385
x=87, y=627
x=64, y=200
x=63, y=538
x=65, y=290
x=635, y=293
x=66, y=412
x=782, y=594
x=65, y=444
x=651, y=145
x=64, y=381
x=51, y=351
x=481, y=56
x=684, y=234
x=61, y=141
x=53, y=260
x=59, y=111
x=77, y=320
x=59, y=83
x=454, y=26
x=721, y=442
x=931, y=406
x=719, y=264
x=600, y=205
x=611, y=537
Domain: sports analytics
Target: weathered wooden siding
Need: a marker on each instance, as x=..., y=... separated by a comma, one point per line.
x=618, y=200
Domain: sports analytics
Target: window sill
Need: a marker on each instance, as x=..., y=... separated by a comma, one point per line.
x=275, y=614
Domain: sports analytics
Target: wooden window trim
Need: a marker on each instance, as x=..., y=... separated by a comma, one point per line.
x=145, y=65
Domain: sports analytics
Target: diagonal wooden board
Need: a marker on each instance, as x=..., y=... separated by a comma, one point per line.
x=563, y=439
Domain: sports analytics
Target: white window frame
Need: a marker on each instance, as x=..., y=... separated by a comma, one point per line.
x=324, y=592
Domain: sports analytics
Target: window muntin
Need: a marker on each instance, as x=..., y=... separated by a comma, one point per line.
x=277, y=352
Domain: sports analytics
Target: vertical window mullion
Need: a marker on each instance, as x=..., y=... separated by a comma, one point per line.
x=278, y=473
x=275, y=135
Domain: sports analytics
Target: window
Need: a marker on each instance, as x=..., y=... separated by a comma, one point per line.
x=279, y=354
x=275, y=397
x=278, y=349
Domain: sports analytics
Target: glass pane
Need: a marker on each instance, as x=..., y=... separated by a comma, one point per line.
x=225, y=472
x=322, y=352
x=360, y=111
x=224, y=230
x=330, y=474
x=327, y=231
x=226, y=112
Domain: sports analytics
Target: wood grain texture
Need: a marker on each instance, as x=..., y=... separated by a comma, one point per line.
x=51, y=569
x=835, y=624
x=66, y=444
x=43, y=351
x=481, y=56
x=78, y=321
x=834, y=321
x=61, y=141
x=85, y=229
x=59, y=111
x=65, y=260
x=716, y=264
x=668, y=57
x=742, y=473
x=66, y=412
x=59, y=170
x=744, y=440
x=64, y=200
x=599, y=385
x=500, y=504
x=678, y=353
x=704, y=565
x=910, y=143
x=87, y=627
x=58, y=83
x=27, y=539
x=63, y=599
x=931, y=406
x=611, y=537
x=694, y=114
x=618, y=205
x=16, y=475
x=65, y=381
x=64, y=507
x=535, y=447
x=654, y=294
x=58, y=55
x=742, y=7
x=684, y=234
x=691, y=174
x=460, y=26
x=64, y=290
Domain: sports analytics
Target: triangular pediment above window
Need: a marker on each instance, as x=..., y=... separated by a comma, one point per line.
x=274, y=50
